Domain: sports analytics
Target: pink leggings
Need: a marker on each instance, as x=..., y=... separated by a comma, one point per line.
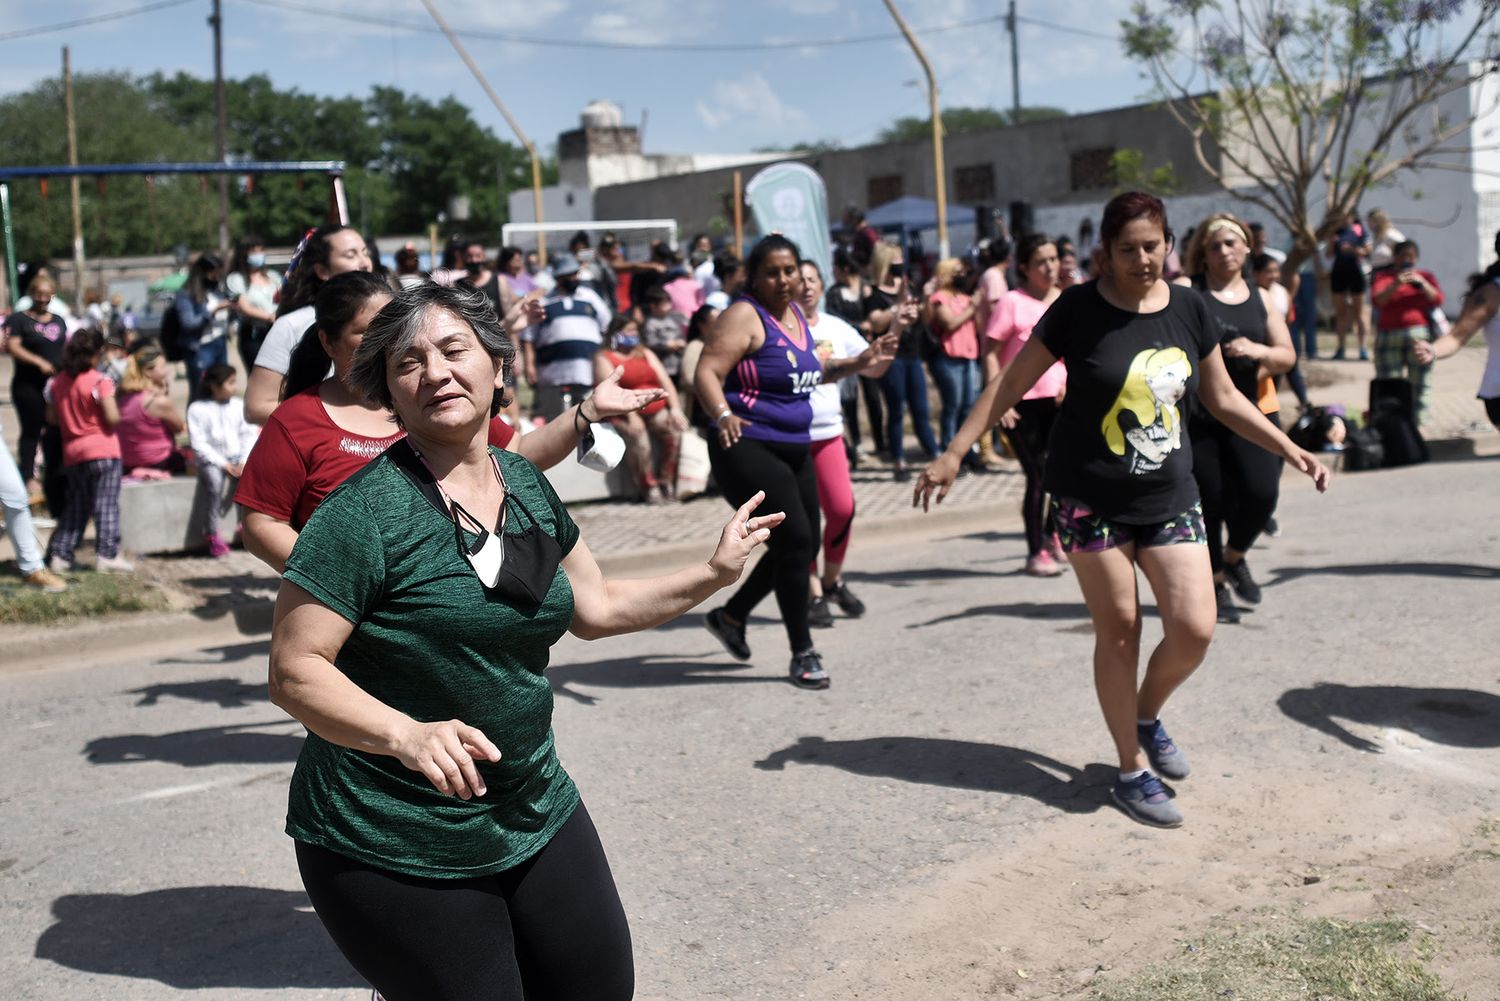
x=835, y=496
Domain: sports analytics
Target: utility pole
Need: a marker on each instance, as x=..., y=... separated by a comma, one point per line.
x=938, y=169
x=221, y=129
x=72, y=124
x=1015, y=66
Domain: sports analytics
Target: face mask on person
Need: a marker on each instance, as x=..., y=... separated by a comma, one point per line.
x=627, y=342
x=256, y=260
x=474, y=268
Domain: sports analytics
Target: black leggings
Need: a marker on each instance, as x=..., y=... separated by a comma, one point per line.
x=785, y=473
x=1239, y=483
x=31, y=414
x=550, y=929
x=1028, y=439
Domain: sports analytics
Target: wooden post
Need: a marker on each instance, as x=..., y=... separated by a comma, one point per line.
x=79, y=277
x=739, y=214
x=433, y=261
x=515, y=126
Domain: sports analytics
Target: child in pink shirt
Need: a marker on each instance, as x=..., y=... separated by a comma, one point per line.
x=81, y=400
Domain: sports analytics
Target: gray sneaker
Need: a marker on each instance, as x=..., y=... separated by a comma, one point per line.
x=807, y=670
x=1145, y=800
x=1165, y=756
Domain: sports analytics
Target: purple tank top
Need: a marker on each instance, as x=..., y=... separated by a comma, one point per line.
x=772, y=388
x=144, y=440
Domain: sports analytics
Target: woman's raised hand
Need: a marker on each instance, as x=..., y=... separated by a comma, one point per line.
x=939, y=475
x=446, y=753
x=739, y=539
x=610, y=400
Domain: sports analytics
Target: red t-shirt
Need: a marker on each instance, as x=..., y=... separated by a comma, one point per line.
x=302, y=456
x=1409, y=306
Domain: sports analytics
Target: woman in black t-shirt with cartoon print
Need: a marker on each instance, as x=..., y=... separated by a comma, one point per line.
x=1139, y=354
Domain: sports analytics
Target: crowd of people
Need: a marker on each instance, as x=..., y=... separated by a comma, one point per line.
x=385, y=469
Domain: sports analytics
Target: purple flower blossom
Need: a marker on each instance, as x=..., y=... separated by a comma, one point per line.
x=1219, y=46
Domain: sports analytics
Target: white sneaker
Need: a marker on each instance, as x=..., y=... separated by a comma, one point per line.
x=114, y=564
x=59, y=565
x=43, y=521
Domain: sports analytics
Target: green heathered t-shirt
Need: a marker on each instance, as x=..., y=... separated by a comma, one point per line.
x=430, y=642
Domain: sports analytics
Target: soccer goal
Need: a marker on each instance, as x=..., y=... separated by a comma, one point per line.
x=634, y=235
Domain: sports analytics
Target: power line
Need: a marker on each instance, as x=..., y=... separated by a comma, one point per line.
x=584, y=43
x=1037, y=22
x=96, y=19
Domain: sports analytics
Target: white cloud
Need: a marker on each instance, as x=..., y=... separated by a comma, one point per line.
x=643, y=22
x=750, y=103
x=807, y=8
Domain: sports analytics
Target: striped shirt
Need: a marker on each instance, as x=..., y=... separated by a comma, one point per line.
x=567, y=337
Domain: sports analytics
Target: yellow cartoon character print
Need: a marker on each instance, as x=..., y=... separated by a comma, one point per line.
x=1144, y=425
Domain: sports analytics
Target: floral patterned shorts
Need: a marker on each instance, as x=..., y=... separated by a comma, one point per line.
x=1082, y=531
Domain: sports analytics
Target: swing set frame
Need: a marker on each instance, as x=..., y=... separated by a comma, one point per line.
x=338, y=202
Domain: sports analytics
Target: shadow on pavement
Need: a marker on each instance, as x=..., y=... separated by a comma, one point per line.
x=214, y=745
x=652, y=672
x=196, y=937
x=1471, y=571
x=226, y=693
x=226, y=654
x=901, y=578
x=990, y=537
x=1459, y=717
x=957, y=764
x=1027, y=610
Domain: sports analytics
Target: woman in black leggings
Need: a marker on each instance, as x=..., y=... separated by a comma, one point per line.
x=442, y=844
x=1237, y=481
x=1029, y=424
x=35, y=338
x=759, y=369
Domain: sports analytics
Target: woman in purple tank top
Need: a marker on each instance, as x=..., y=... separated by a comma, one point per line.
x=755, y=381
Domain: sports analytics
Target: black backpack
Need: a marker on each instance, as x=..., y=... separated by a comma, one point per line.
x=172, y=347
x=1393, y=416
x=1363, y=450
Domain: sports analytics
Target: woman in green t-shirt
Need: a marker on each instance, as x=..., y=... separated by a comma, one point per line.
x=441, y=842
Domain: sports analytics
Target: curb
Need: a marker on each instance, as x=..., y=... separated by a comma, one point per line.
x=147, y=635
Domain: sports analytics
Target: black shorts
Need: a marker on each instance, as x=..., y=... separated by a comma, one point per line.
x=1348, y=281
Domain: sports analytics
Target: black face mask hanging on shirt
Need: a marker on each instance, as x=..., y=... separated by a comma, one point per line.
x=527, y=560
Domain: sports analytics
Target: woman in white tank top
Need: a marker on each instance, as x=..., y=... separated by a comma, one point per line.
x=1481, y=312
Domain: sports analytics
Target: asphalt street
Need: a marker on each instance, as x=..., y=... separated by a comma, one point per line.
x=141, y=804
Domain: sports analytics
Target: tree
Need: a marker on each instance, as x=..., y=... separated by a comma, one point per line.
x=957, y=121
x=1285, y=102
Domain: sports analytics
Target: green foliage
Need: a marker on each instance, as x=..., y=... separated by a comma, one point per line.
x=406, y=157
x=957, y=121
x=814, y=148
x=1132, y=174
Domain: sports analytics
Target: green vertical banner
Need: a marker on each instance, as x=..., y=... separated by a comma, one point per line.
x=791, y=199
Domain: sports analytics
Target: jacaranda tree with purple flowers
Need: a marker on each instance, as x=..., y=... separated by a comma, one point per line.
x=1301, y=106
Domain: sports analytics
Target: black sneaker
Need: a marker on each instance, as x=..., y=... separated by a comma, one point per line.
x=1228, y=613
x=733, y=637
x=1238, y=575
x=818, y=615
x=807, y=670
x=841, y=596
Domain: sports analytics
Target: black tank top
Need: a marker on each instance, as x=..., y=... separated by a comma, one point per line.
x=1241, y=319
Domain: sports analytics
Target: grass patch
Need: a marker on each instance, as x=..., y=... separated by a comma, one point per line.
x=1297, y=959
x=89, y=595
x=1495, y=939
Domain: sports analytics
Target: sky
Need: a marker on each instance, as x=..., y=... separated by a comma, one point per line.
x=693, y=101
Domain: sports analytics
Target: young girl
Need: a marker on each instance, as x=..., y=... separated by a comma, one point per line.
x=149, y=420
x=662, y=420
x=81, y=401
x=222, y=440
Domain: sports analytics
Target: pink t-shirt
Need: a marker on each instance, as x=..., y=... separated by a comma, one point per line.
x=144, y=440
x=991, y=289
x=1014, y=316
x=85, y=435
x=686, y=294
x=962, y=341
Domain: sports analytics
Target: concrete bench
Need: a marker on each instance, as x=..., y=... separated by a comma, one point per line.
x=166, y=516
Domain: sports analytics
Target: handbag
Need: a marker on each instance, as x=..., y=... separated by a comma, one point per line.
x=692, y=465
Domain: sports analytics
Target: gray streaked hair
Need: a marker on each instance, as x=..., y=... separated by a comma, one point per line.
x=394, y=329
